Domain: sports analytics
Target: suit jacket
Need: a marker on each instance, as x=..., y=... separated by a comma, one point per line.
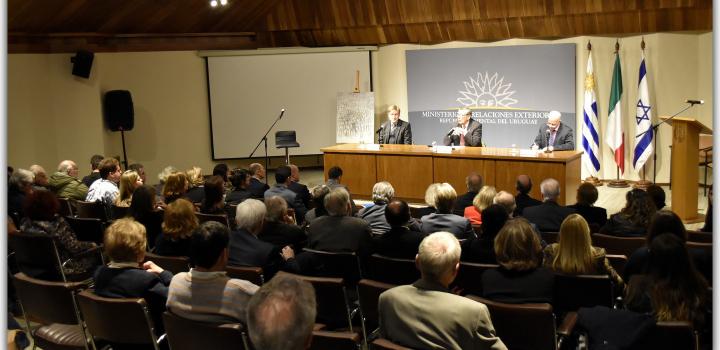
x=473, y=136
x=462, y=202
x=281, y=234
x=196, y=194
x=340, y=234
x=401, y=135
x=303, y=192
x=293, y=200
x=400, y=242
x=548, y=216
x=425, y=315
x=248, y=250
x=593, y=215
x=564, y=138
x=523, y=201
x=457, y=225
x=257, y=188
x=375, y=216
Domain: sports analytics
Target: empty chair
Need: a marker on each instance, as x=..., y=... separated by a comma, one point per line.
x=37, y=256
x=333, y=308
x=184, y=334
x=249, y=273
x=392, y=270
x=52, y=304
x=327, y=340
x=95, y=210
x=223, y=219
x=699, y=237
x=345, y=265
x=118, y=320
x=618, y=262
x=384, y=344
x=368, y=294
x=574, y=292
x=618, y=245
x=174, y=264
x=87, y=229
x=469, y=277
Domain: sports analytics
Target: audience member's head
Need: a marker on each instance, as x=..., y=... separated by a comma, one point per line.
x=438, y=257
x=125, y=241
x=335, y=173
x=195, y=176
x=294, y=173
x=337, y=202
x=382, y=192
x=474, y=182
x=639, y=208
x=665, y=221
x=282, y=175
x=523, y=184
x=550, y=189
x=41, y=178
x=41, y=206
x=179, y=219
x=143, y=202
x=250, y=215
x=507, y=200
x=21, y=180
x=140, y=169
x=484, y=198
x=240, y=179
x=397, y=213
x=445, y=197
x=517, y=246
x=494, y=218
x=208, y=248
x=574, y=254
x=68, y=167
x=318, y=197
x=176, y=185
x=257, y=170
x=129, y=181
x=657, y=195
x=110, y=169
x=165, y=173
x=221, y=170
x=587, y=194
x=214, y=191
x=276, y=209
x=430, y=193
x=281, y=314
x=95, y=162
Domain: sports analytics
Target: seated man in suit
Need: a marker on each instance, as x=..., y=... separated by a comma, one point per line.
x=297, y=187
x=282, y=181
x=554, y=136
x=280, y=228
x=549, y=215
x=474, y=183
x=443, y=219
x=281, y=315
x=205, y=293
x=467, y=132
x=338, y=231
x=257, y=188
x=403, y=239
x=395, y=130
x=596, y=217
x=426, y=315
x=523, y=184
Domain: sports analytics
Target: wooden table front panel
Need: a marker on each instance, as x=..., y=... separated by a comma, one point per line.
x=507, y=171
x=409, y=175
x=359, y=171
x=455, y=170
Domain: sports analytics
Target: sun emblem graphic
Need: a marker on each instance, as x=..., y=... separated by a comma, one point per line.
x=487, y=91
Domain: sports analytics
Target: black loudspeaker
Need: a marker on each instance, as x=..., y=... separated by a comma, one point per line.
x=82, y=63
x=118, y=110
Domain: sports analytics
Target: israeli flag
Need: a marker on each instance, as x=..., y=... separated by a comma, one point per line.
x=643, y=122
x=590, y=138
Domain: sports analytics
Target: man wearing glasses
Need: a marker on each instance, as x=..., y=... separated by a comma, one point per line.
x=554, y=136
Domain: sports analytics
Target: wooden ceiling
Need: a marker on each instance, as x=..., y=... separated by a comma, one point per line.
x=146, y=25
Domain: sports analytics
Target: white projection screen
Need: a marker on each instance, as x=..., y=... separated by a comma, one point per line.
x=247, y=93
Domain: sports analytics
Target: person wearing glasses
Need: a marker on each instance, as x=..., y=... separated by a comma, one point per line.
x=554, y=135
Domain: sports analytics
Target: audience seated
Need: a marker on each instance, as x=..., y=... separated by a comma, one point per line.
x=240, y=180
x=299, y=188
x=403, y=239
x=482, y=250
x=335, y=180
x=246, y=249
x=587, y=195
x=223, y=171
x=518, y=279
x=665, y=221
x=507, y=201
x=40, y=181
x=549, y=215
x=140, y=169
x=144, y=210
x=162, y=177
x=318, y=197
x=95, y=173
x=177, y=226
x=482, y=200
x=474, y=183
x=444, y=219
x=105, y=189
x=175, y=187
x=523, y=184
x=280, y=228
x=671, y=289
x=657, y=195
x=382, y=193
x=282, y=180
x=206, y=293
x=281, y=314
x=574, y=253
x=126, y=276
x=196, y=183
x=65, y=184
x=338, y=231
x=19, y=187
x=257, y=188
x=41, y=208
x=429, y=200
x=426, y=315
x=213, y=201
x=129, y=181
x=633, y=220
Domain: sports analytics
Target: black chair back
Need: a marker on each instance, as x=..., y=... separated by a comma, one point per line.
x=184, y=334
x=249, y=273
x=47, y=302
x=117, y=212
x=333, y=308
x=95, y=210
x=618, y=262
x=174, y=264
x=223, y=219
x=618, y=245
x=87, y=229
x=36, y=256
x=392, y=270
x=676, y=335
x=368, y=295
x=326, y=340
x=345, y=265
x=699, y=237
x=574, y=292
x=550, y=237
x=65, y=207
x=469, y=278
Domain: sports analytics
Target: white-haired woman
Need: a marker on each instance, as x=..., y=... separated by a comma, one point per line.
x=382, y=193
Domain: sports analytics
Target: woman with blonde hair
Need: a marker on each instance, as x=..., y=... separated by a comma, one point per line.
x=196, y=180
x=482, y=200
x=575, y=255
x=175, y=187
x=129, y=181
x=178, y=223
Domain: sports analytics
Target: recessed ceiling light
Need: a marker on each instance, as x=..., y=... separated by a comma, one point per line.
x=213, y=3
x=223, y=2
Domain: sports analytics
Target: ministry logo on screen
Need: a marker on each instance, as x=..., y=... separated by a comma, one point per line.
x=486, y=91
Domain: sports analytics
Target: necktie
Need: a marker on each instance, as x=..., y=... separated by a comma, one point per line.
x=462, y=136
x=552, y=137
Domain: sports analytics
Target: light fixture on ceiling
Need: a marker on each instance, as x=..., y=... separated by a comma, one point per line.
x=214, y=3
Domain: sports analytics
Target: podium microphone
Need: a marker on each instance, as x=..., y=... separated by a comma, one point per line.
x=282, y=111
x=380, y=128
x=695, y=102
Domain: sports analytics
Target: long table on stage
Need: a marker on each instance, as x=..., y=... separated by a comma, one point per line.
x=412, y=168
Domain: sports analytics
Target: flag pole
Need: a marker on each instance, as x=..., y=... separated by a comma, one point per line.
x=644, y=183
x=618, y=183
x=592, y=179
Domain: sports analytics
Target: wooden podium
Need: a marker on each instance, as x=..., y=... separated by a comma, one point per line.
x=684, y=170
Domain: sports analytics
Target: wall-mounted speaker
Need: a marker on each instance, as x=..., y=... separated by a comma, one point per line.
x=118, y=110
x=82, y=63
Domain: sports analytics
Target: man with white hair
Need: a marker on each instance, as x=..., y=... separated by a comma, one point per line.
x=549, y=215
x=467, y=132
x=554, y=133
x=41, y=178
x=426, y=315
x=64, y=181
x=338, y=231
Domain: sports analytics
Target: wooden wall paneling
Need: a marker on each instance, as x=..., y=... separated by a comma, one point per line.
x=454, y=170
x=359, y=170
x=572, y=181
x=684, y=171
x=505, y=176
x=416, y=173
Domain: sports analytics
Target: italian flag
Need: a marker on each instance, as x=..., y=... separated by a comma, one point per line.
x=615, y=136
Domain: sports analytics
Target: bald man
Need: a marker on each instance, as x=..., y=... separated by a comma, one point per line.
x=65, y=183
x=554, y=133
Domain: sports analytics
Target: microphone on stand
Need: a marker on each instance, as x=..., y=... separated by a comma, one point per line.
x=282, y=111
x=380, y=129
x=695, y=102
x=450, y=132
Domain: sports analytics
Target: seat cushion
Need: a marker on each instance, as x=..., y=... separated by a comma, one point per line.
x=59, y=336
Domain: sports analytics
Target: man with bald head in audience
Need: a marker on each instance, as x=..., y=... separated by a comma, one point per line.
x=257, y=188
x=474, y=183
x=507, y=201
x=299, y=188
x=426, y=315
x=523, y=184
x=64, y=182
x=338, y=231
x=404, y=237
x=549, y=215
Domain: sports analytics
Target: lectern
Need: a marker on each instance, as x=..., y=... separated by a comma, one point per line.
x=684, y=171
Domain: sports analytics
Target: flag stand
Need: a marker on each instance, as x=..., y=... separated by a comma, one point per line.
x=642, y=183
x=590, y=85
x=593, y=180
x=618, y=182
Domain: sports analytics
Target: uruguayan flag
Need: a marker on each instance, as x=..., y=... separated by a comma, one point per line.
x=643, y=122
x=590, y=138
